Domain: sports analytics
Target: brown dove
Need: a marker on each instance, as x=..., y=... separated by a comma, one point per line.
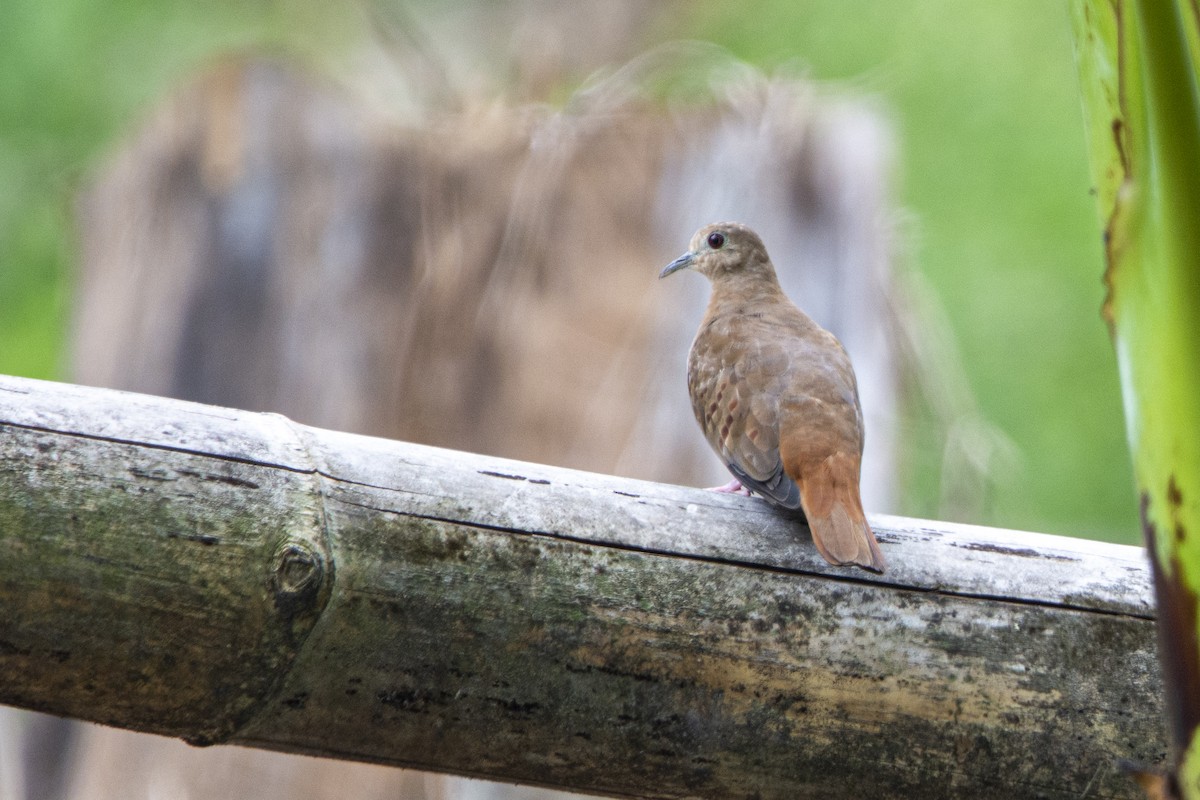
x=776, y=395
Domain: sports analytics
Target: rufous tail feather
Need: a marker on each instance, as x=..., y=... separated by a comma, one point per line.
x=835, y=517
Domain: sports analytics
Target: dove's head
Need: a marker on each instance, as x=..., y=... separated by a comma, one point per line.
x=724, y=250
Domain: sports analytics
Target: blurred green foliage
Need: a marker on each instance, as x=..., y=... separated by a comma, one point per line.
x=74, y=76
x=992, y=175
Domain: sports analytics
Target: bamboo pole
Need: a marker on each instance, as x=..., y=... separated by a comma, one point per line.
x=231, y=577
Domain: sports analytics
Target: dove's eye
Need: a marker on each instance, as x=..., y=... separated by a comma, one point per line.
x=716, y=240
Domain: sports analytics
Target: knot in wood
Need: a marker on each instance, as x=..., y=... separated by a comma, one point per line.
x=297, y=577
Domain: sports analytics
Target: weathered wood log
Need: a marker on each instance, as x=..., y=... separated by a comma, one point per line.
x=230, y=577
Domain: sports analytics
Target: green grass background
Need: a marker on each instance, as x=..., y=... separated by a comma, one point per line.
x=992, y=176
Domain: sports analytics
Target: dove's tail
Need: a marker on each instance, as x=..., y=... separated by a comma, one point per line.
x=830, y=498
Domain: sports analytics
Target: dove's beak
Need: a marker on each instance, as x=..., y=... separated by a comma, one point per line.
x=683, y=262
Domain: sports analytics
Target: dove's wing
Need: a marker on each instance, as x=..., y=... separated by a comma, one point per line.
x=734, y=390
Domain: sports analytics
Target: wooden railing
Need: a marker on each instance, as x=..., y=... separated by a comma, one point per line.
x=235, y=578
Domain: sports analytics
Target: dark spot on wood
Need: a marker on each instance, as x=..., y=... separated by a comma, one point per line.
x=504, y=475
x=10, y=649
x=296, y=701
x=539, y=481
x=152, y=474
x=206, y=539
x=524, y=709
x=415, y=700
x=226, y=479
x=641, y=677
x=625, y=494
x=402, y=699
x=1021, y=552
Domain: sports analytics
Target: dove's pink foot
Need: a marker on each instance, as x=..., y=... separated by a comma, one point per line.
x=733, y=487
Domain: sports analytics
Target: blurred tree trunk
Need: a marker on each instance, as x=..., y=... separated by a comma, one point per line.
x=484, y=280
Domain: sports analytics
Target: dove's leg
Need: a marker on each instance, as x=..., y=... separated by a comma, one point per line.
x=733, y=487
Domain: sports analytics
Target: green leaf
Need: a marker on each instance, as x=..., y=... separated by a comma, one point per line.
x=1138, y=68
